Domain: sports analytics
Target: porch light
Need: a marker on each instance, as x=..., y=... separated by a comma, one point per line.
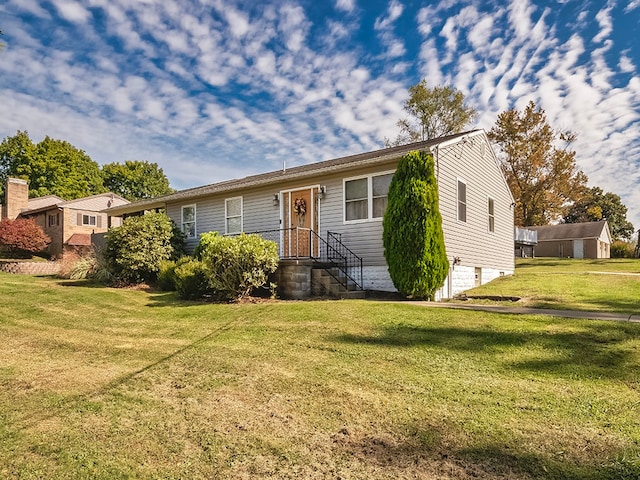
x=322, y=191
x=276, y=199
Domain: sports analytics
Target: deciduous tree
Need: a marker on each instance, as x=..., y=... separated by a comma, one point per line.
x=597, y=205
x=538, y=165
x=52, y=167
x=135, y=179
x=432, y=113
x=412, y=229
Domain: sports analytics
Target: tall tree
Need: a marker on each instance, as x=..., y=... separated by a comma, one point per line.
x=597, y=205
x=538, y=165
x=412, y=229
x=432, y=113
x=52, y=167
x=135, y=179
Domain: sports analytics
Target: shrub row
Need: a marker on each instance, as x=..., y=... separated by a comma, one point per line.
x=223, y=269
x=150, y=248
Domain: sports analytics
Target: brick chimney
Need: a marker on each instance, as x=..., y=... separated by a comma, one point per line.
x=16, y=198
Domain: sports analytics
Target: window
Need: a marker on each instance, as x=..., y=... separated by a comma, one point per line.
x=54, y=220
x=89, y=220
x=366, y=198
x=462, y=201
x=233, y=215
x=492, y=219
x=189, y=221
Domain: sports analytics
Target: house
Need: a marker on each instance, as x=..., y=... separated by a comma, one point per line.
x=69, y=224
x=574, y=240
x=331, y=213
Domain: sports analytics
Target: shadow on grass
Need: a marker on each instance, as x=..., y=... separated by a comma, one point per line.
x=630, y=306
x=433, y=449
x=598, y=351
x=81, y=283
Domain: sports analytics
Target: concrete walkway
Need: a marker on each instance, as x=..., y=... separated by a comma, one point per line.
x=617, y=317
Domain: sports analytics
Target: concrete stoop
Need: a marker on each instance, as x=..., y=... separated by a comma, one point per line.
x=324, y=283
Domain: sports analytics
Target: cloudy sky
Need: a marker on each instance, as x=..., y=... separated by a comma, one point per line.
x=219, y=89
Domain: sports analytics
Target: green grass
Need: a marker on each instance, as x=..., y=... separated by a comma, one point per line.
x=105, y=383
x=611, y=285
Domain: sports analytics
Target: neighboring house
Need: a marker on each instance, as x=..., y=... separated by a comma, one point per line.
x=574, y=240
x=70, y=224
x=330, y=209
x=525, y=241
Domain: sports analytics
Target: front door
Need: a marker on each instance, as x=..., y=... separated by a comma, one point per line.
x=300, y=223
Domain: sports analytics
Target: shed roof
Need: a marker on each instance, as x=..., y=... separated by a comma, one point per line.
x=568, y=231
x=79, y=239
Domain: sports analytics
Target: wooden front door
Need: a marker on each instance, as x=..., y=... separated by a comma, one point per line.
x=300, y=223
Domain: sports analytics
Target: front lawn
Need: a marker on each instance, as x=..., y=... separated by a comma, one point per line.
x=610, y=285
x=106, y=383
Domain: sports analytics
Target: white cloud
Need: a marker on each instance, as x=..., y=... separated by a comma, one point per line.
x=31, y=6
x=606, y=24
x=626, y=64
x=633, y=4
x=72, y=11
x=394, y=10
x=345, y=5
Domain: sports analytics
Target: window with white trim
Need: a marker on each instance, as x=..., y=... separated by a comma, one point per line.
x=462, y=201
x=490, y=211
x=365, y=198
x=189, y=221
x=233, y=215
x=89, y=220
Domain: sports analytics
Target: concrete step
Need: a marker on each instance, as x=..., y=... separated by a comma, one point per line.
x=352, y=295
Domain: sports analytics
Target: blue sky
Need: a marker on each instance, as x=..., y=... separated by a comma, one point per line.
x=219, y=89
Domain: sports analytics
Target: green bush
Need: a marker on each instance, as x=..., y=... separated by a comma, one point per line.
x=134, y=251
x=412, y=229
x=236, y=265
x=622, y=249
x=191, y=279
x=167, y=275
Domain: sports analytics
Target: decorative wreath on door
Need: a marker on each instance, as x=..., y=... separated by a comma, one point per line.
x=300, y=207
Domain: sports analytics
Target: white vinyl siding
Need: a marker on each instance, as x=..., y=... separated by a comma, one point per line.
x=365, y=198
x=233, y=215
x=189, y=221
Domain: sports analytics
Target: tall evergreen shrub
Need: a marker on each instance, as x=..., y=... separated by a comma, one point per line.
x=412, y=229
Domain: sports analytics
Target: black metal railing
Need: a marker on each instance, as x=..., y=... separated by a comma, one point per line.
x=331, y=254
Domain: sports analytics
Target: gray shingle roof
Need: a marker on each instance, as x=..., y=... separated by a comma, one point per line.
x=566, y=231
x=327, y=166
